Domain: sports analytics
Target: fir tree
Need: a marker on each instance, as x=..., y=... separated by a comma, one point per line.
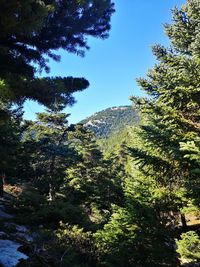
x=10, y=145
x=171, y=133
x=90, y=181
x=31, y=32
x=47, y=144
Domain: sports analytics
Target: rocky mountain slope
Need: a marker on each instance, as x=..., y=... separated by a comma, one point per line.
x=111, y=120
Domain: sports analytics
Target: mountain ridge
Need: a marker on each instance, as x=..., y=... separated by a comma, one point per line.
x=110, y=120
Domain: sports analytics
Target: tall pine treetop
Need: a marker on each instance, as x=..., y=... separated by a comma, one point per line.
x=184, y=32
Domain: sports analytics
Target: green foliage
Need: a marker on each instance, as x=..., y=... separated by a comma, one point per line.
x=131, y=232
x=60, y=210
x=193, y=152
x=48, y=149
x=10, y=147
x=29, y=200
x=189, y=246
x=90, y=181
x=135, y=227
x=76, y=246
x=31, y=203
x=170, y=132
x=31, y=32
x=33, y=29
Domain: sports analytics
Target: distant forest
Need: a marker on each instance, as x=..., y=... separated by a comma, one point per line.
x=111, y=120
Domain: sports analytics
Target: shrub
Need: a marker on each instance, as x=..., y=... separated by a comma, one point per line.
x=189, y=246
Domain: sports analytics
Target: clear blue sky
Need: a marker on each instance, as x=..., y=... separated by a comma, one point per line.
x=112, y=65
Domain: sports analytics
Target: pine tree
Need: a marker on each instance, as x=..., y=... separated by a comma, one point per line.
x=48, y=148
x=134, y=235
x=32, y=29
x=171, y=132
x=10, y=145
x=90, y=182
x=31, y=32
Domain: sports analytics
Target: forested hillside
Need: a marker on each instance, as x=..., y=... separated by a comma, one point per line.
x=68, y=198
x=111, y=120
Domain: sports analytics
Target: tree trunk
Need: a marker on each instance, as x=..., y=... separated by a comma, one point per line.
x=2, y=178
x=51, y=192
x=184, y=223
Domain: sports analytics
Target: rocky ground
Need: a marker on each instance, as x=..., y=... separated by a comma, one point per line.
x=14, y=238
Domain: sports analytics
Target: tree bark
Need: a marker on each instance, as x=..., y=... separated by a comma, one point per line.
x=2, y=177
x=51, y=192
x=184, y=223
